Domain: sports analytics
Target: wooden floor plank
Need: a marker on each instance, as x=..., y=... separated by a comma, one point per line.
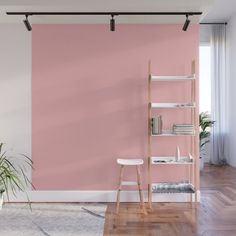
x=214, y=216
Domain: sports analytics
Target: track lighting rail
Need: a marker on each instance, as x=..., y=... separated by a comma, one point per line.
x=104, y=13
x=112, y=14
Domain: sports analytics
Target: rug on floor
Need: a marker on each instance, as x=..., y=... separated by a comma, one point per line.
x=52, y=219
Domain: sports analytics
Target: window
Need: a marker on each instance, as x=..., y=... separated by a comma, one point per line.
x=205, y=78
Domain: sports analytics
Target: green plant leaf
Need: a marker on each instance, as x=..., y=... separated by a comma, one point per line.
x=205, y=122
x=12, y=173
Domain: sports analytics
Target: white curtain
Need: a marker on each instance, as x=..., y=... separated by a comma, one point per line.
x=219, y=101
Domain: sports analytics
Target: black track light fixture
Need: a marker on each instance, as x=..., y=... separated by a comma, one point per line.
x=112, y=14
x=186, y=23
x=27, y=23
x=112, y=23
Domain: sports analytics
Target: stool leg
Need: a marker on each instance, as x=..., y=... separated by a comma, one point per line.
x=119, y=189
x=140, y=189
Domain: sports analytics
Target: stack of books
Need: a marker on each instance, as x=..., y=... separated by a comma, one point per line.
x=187, y=129
x=157, y=125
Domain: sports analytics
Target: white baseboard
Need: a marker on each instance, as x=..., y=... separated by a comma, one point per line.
x=98, y=196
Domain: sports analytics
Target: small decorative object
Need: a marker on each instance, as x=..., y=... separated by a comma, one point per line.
x=157, y=125
x=1, y=198
x=177, y=154
x=190, y=157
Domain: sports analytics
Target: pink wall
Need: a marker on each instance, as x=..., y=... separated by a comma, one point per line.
x=90, y=100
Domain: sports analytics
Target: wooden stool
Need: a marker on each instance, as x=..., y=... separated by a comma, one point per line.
x=130, y=162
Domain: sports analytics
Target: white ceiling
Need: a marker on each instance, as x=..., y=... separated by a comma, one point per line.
x=221, y=11
x=213, y=10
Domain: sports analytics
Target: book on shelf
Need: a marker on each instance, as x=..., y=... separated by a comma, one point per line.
x=156, y=125
x=183, y=129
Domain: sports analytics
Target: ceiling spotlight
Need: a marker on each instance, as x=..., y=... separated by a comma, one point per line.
x=186, y=23
x=27, y=24
x=112, y=23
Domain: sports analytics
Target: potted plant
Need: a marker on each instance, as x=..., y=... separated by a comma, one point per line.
x=12, y=174
x=205, y=124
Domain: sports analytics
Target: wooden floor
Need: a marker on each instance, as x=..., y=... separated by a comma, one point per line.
x=214, y=216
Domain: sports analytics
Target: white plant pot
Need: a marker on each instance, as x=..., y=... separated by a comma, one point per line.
x=1, y=201
x=201, y=163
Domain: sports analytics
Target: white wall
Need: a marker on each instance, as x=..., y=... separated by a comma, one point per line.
x=231, y=43
x=205, y=38
x=15, y=112
x=205, y=34
x=15, y=88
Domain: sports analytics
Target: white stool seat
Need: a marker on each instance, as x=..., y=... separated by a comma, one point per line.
x=130, y=162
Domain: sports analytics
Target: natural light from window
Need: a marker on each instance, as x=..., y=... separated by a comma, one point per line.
x=205, y=78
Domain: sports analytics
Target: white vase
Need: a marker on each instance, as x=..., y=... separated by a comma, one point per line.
x=201, y=163
x=177, y=154
x=1, y=201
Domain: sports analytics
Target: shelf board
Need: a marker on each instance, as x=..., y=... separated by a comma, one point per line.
x=172, y=105
x=128, y=183
x=170, y=187
x=170, y=133
x=170, y=160
x=172, y=78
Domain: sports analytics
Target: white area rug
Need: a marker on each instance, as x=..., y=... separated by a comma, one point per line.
x=52, y=219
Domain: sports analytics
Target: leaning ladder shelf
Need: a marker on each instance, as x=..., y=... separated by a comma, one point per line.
x=181, y=187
